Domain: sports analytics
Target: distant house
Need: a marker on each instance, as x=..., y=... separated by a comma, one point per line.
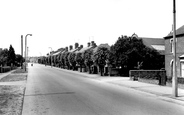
x=179, y=52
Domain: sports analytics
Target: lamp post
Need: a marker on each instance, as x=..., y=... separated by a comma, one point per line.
x=26, y=49
x=174, y=79
x=51, y=56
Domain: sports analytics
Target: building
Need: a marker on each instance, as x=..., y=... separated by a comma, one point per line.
x=179, y=53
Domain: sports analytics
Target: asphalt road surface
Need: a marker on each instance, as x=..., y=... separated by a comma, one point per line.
x=51, y=91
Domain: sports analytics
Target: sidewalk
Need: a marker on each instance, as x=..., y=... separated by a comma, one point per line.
x=162, y=92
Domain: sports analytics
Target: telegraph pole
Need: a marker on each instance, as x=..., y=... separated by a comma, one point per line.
x=22, y=51
x=25, y=52
x=174, y=79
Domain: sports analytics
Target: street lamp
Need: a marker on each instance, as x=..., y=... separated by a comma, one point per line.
x=51, y=56
x=26, y=49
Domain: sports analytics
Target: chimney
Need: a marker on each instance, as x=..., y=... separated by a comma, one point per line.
x=66, y=48
x=76, y=45
x=81, y=46
x=93, y=44
x=88, y=44
x=71, y=47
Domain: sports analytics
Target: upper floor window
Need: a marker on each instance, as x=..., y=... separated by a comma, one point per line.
x=171, y=44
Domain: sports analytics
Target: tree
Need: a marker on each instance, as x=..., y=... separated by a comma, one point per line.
x=62, y=60
x=66, y=59
x=18, y=60
x=71, y=58
x=4, y=57
x=87, y=56
x=11, y=56
x=100, y=57
x=131, y=53
x=79, y=60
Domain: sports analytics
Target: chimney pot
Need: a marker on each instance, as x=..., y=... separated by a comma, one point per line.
x=71, y=47
x=66, y=48
x=76, y=45
x=88, y=44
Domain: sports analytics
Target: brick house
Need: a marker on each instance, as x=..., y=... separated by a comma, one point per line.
x=179, y=53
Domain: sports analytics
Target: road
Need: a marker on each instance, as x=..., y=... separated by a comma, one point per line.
x=51, y=91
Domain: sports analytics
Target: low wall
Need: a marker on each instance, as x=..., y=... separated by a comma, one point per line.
x=150, y=76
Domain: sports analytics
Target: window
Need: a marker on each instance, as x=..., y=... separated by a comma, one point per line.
x=171, y=44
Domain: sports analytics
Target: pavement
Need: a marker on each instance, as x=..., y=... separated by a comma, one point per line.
x=163, y=92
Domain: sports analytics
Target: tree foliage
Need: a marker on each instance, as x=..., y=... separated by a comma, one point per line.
x=8, y=56
x=87, y=56
x=71, y=58
x=4, y=57
x=131, y=53
x=101, y=56
x=18, y=60
x=11, y=56
x=79, y=59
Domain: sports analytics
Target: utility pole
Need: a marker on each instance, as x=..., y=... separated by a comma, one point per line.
x=22, y=51
x=174, y=79
x=25, y=52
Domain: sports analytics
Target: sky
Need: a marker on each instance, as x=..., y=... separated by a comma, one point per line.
x=60, y=23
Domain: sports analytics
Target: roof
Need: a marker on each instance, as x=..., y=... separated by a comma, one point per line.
x=84, y=49
x=158, y=47
x=179, y=32
x=73, y=50
x=101, y=45
x=155, y=43
x=56, y=53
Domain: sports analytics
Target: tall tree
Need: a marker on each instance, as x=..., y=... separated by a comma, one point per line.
x=11, y=56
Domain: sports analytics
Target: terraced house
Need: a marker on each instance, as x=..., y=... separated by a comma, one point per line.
x=179, y=53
